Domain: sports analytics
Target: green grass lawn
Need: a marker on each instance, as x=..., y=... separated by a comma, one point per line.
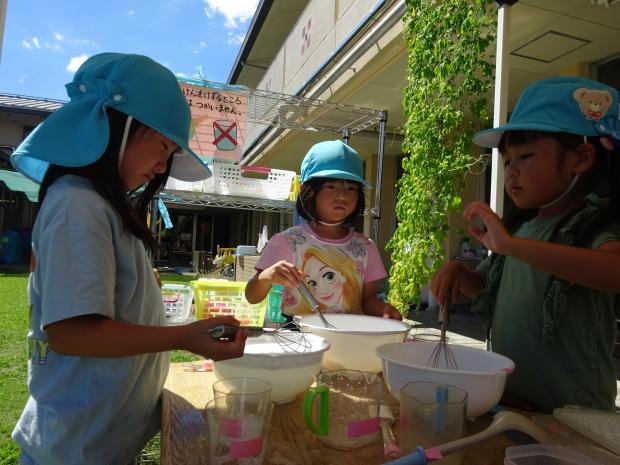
x=13, y=354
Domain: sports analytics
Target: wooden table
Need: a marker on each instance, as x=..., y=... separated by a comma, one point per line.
x=184, y=432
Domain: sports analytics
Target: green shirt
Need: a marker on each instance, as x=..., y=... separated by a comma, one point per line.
x=578, y=367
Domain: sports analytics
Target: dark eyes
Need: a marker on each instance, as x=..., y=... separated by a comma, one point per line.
x=525, y=156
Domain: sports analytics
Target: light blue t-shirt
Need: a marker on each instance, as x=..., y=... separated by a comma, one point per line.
x=88, y=410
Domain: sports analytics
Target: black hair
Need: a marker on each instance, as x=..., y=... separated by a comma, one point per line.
x=306, y=202
x=602, y=179
x=132, y=207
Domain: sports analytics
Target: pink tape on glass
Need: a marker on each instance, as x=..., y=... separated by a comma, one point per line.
x=249, y=448
x=362, y=428
x=507, y=370
x=433, y=453
x=230, y=427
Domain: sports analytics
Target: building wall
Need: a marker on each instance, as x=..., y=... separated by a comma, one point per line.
x=16, y=211
x=12, y=127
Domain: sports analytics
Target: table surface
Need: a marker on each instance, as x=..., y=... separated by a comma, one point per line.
x=184, y=432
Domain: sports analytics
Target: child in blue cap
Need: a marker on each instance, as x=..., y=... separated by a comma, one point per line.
x=549, y=292
x=98, y=344
x=340, y=266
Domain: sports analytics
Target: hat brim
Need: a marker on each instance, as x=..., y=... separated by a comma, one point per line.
x=334, y=174
x=187, y=165
x=490, y=138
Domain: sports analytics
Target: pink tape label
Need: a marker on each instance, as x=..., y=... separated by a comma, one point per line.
x=249, y=448
x=507, y=370
x=362, y=428
x=230, y=427
x=433, y=453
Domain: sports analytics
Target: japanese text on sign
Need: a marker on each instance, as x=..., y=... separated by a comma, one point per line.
x=218, y=121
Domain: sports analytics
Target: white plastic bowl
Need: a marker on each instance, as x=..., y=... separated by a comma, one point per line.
x=355, y=338
x=290, y=370
x=481, y=373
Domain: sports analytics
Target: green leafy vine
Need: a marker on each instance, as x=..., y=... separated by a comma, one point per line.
x=449, y=75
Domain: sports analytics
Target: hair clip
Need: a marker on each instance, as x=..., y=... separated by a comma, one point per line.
x=610, y=142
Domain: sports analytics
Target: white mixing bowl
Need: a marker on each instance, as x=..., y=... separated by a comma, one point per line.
x=354, y=338
x=289, y=367
x=481, y=373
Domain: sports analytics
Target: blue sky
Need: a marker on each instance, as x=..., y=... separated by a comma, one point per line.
x=45, y=41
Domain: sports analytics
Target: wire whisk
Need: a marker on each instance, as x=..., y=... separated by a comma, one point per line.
x=442, y=356
x=314, y=305
x=288, y=336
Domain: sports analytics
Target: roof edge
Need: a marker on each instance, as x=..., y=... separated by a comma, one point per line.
x=262, y=11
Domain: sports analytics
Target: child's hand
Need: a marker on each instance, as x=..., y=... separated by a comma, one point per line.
x=447, y=281
x=494, y=237
x=198, y=341
x=282, y=272
x=390, y=312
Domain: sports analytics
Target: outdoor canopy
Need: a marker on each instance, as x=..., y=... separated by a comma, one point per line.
x=19, y=183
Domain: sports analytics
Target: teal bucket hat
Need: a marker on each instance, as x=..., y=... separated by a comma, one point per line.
x=564, y=104
x=332, y=159
x=77, y=134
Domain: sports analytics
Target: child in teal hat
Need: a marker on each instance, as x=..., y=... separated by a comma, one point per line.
x=548, y=295
x=341, y=267
x=98, y=341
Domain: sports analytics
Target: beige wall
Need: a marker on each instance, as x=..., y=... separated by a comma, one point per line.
x=12, y=127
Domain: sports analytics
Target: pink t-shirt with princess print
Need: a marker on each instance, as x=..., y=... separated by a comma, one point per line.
x=334, y=270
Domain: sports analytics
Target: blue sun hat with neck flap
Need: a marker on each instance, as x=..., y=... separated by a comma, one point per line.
x=564, y=104
x=332, y=159
x=77, y=134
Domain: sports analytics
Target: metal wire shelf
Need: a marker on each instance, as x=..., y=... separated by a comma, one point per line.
x=226, y=201
x=292, y=112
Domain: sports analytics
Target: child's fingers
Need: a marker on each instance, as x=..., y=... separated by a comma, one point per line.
x=218, y=320
x=476, y=232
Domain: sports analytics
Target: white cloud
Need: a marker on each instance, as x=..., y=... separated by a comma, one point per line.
x=235, y=11
x=76, y=62
x=235, y=39
x=59, y=37
x=26, y=44
x=129, y=13
x=80, y=42
x=52, y=46
x=22, y=78
x=35, y=42
x=202, y=44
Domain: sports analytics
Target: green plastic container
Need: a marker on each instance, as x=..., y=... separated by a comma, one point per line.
x=274, y=301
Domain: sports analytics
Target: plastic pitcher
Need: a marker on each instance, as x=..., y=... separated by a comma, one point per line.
x=348, y=408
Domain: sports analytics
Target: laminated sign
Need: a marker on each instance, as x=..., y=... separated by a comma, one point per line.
x=218, y=120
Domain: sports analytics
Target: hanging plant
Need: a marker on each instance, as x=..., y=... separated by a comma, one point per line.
x=448, y=77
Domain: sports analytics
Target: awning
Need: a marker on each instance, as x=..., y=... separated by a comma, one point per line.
x=19, y=183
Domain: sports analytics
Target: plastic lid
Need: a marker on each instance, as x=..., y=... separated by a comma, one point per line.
x=600, y=426
x=542, y=454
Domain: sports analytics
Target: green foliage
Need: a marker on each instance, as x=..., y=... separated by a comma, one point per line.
x=448, y=77
x=13, y=359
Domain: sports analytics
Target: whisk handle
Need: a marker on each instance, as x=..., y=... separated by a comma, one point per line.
x=444, y=311
x=229, y=331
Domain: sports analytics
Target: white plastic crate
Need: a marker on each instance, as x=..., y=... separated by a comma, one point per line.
x=228, y=179
x=178, y=185
x=177, y=299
